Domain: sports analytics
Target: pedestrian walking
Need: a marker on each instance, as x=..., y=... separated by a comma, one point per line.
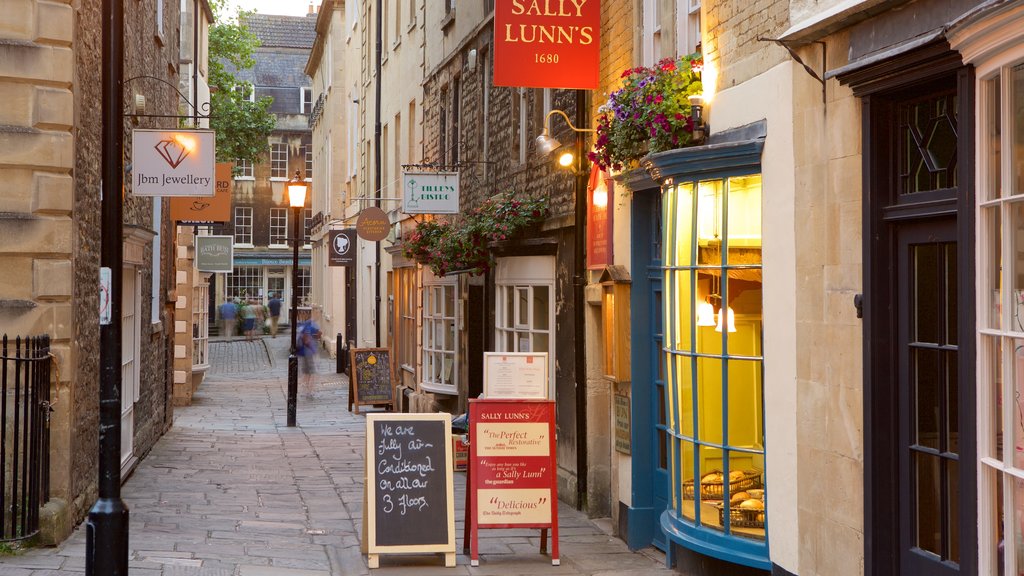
x=275, y=313
x=248, y=314
x=307, y=347
x=229, y=313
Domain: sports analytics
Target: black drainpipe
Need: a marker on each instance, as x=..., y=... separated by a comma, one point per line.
x=579, y=311
x=377, y=167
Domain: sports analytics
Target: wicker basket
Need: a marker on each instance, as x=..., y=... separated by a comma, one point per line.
x=716, y=490
x=739, y=518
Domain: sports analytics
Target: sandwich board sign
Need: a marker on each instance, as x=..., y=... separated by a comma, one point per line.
x=173, y=163
x=410, y=507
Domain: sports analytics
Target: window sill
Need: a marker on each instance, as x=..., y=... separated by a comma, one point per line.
x=244, y=246
x=278, y=178
x=250, y=178
x=278, y=246
x=447, y=20
x=447, y=389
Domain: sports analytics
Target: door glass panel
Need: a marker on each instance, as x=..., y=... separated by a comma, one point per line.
x=925, y=306
x=1018, y=404
x=951, y=294
x=926, y=396
x=1017, y=167
x=681, y=234
x=953, y=502
x=994, y=140
x=928, y=504
x=952, y=402
x=927, y=144
x=709, y=222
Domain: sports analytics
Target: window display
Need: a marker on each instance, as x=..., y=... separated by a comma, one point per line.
x=713, y=356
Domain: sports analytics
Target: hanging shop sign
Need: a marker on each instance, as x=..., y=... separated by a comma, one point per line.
x=599, y=219
x=373, y=224
x=342, y=248
x=516, y=375
x=409, y=506
x=547, y=43
x=173, y=163
x=512, y=481
x=207, y=210
x=215, y=253
x=430, y=192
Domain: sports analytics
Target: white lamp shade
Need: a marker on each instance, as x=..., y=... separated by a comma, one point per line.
x=705, y=314
x=730, y=320
x=546, y=144
x=296, y=194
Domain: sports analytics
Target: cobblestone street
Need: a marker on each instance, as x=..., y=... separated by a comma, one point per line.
x=231, y=491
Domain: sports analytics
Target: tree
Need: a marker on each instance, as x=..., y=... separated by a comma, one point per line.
x=242, y=126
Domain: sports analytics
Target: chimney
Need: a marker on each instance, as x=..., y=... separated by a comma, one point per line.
x=312, y=10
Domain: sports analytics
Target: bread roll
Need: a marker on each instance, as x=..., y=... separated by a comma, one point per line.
x=752, y=505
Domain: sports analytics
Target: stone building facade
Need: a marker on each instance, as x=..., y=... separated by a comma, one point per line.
x=51, y=154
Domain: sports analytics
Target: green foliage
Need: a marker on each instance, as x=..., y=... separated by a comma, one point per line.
x=454, y=246
x=242, y=126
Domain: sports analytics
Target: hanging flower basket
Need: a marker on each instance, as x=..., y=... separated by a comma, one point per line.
x=650, y=113
x=447, y=247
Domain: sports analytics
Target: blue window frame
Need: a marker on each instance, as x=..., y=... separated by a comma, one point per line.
x=711, y=358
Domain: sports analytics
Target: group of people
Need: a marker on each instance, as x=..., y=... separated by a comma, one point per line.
x=253, y=314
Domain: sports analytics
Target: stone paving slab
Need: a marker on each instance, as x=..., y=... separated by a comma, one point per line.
x=230, y=490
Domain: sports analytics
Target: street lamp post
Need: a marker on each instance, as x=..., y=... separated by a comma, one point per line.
x=297, y=200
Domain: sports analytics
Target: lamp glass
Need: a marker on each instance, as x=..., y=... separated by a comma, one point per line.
x=705, y=314
x=566, y=159
x=546, y=144
x=730, y=321
x=296, y=194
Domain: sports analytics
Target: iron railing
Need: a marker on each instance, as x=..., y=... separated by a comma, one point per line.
x=24, y=434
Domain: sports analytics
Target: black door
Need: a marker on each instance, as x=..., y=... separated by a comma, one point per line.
x=927, y=381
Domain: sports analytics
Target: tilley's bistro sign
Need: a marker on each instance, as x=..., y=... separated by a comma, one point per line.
x=430, y=192
x=173, y=163
x=547, y=43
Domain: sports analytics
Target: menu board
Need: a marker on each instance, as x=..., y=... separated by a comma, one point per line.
x=516, y=375
x=513, y=479
x=410, y=507
x=371, y=377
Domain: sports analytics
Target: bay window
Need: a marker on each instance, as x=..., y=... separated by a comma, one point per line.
x=440, y=335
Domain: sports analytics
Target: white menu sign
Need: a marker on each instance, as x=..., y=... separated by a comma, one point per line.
x=516, y=375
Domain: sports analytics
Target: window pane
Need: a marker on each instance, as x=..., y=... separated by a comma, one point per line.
x=1016, y=264
x=1018, y=402
x=509, y=309
x=541, y=343
x=1017, y=162
x=925, y=306
x=953, y=502
x=994, y=141
x=1000, y=524
x=684, y=304
x=925, y=375
x=992, y=352
x=991, y=269
x=746, y=504
x=745, y=421
x=686, y=474
x=709, y=399
x=951, y=366
x=709, y=222
x=541, y=306
x=684, y=225
x=523, y=307
x=744, y=220
x=684, y=396
x=1018, y=521
x=949, y=304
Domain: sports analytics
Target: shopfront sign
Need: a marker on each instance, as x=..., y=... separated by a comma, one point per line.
x=599, y=219
x=215, y=253
x=547, y=43
x=623, y=441
x=513, y=481
x=373, y=224
x=430, y=192
x=206, y=210
x=173, y=163
x=410, y=506
x=516, y=375
x=341, y=248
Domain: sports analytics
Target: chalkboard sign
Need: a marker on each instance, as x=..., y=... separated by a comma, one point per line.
x=410, y=508
x=371, y=377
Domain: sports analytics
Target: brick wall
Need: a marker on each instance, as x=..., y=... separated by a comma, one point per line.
x=732, y=29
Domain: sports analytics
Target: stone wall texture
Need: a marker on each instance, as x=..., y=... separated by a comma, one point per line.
x=735, y=33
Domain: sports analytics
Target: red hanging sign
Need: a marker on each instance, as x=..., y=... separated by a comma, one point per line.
x=547, y=43
x=599, y=219
x=512, y=480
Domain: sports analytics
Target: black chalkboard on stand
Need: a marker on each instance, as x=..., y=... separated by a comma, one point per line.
x=410, y=508
x=370, y=383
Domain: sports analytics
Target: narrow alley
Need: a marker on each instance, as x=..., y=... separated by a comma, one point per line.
x=231, y=491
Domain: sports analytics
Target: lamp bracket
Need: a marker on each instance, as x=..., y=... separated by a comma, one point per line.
x=547, y=117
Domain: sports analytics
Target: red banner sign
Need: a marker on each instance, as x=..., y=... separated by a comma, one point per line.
x=547, y=43
x=513, y=480
x=599, y=219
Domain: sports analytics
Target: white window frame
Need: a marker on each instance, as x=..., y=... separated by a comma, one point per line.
x=307, y=222
x=246, y=170
x=309, y=162
x=305, y=104
x=200, y=326
x=278, y=228
x=243, y=226
x=277, y=160
x=435, y=324
x=251, y=282
x=688, y=33
x=522, y=275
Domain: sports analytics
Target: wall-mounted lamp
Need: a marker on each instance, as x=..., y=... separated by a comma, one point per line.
x=700, y=129
x=547, y=144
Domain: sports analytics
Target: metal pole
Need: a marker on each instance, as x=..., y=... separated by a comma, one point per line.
x=106, y=536
x=377, y=167
x=293, y=360
x=579, y=302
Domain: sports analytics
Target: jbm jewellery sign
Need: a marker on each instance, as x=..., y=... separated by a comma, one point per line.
x=430, y=192
x=173, y=163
